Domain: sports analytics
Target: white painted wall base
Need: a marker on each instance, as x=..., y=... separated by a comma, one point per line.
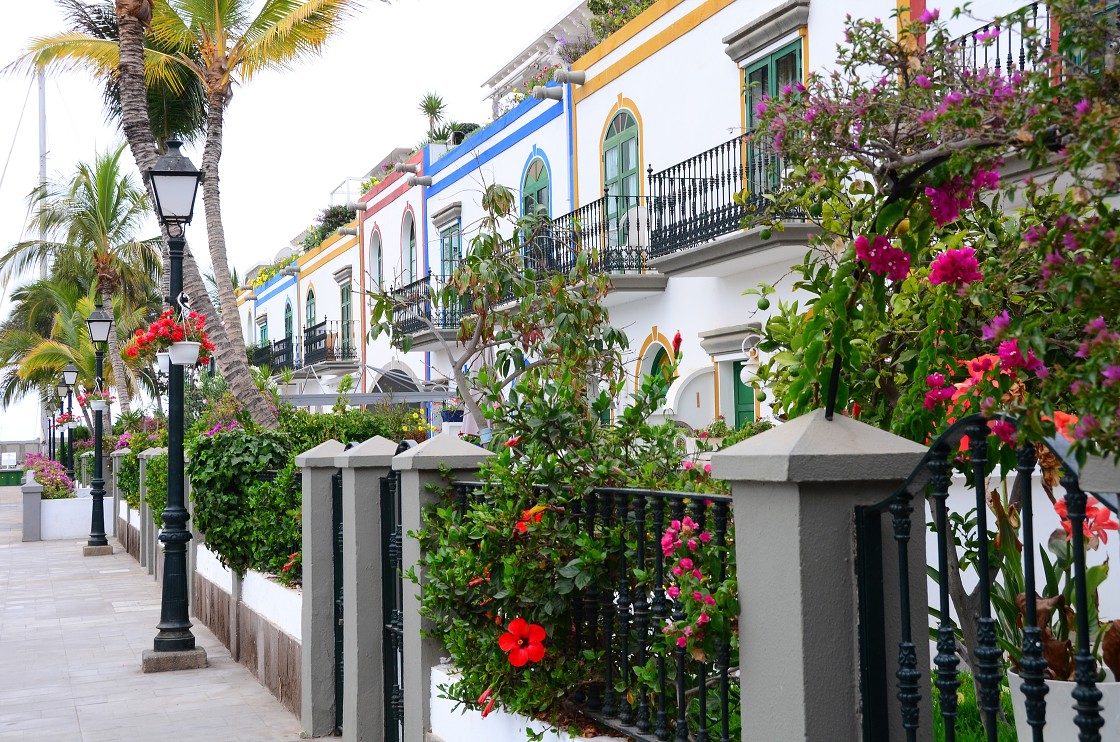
x=70, y=518
x=275, y=603
x=452, y=724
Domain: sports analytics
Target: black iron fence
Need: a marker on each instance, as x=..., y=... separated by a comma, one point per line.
x=412, y=306
x=711, y=194
x=1015, y=43
x=664, y=672
x=998, y=637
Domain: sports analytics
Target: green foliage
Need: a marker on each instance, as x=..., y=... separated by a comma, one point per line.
x=277, y=534
x=128, y=478
x=970, y=726
x=223, y=468
x=326, y=224
x=304, y=430
x=155, y=486
x=611, y=15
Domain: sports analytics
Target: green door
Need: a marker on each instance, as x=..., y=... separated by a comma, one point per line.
x=744, y=397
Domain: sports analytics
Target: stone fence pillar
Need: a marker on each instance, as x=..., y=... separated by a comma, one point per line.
x=363, y=700
x=420, y=467
x=795, y=489
x=317, y=704
x=32, y=507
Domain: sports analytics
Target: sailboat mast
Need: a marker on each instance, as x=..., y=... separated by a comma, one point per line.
x=44, y=410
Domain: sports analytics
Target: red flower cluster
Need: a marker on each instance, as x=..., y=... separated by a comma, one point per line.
x=166, y=330
x=532, y=515
x=1097, y=521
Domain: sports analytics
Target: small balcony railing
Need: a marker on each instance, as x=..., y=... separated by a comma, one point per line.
x=325, y=342
x=413, y=306
x=612, y=231
x=1005, y=46
x=262, y=356
x=694, y=201
x=283, y=354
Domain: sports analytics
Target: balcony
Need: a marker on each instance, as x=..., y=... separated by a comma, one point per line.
x=324, y=342
x=1012, y=49
x=415, y=314
x=277, y=356
x=697, y=222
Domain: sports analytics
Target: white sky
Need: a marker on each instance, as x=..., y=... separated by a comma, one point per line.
x=290, y=138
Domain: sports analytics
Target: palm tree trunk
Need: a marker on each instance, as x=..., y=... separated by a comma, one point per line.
x=115, y=356
x=230, y=352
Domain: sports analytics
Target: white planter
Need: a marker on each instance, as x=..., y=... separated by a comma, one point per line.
x=69, y=518
x=453, y=723
x=1059, y=709
x=97, y=405
x=163, y=362
x=184, y=353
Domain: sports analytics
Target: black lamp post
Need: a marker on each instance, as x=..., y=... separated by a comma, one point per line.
x=100, y=324
x=60, y=444
x=174, y=180
x=70, y=378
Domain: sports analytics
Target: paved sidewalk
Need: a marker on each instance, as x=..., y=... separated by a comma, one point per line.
x=72, y=629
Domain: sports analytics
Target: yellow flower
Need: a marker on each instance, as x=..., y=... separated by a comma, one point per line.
x=404, y=428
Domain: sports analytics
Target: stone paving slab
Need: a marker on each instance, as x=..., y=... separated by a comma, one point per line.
x=72, y=630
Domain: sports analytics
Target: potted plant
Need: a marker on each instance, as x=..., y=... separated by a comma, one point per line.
x=66, y=421
x=1057, y=619
x=184, y=339
x=96, y=400
x=451, y=410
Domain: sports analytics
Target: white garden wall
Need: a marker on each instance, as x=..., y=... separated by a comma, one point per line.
x=70, y=518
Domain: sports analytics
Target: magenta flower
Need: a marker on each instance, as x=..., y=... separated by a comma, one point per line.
x=882, y=257
x=686, y=563
x=1083, y=107
x=702, y=619
x=929, y=15
x=1004, y=430
x=935, y=381
x=997, y=327
x=956, y=267
x=923, y=81
x=1111, y=375
x=673, y=592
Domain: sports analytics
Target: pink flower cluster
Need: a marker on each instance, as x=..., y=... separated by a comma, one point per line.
x=956, y=267
x=1011, y=357
x=1097, y=335
x=684, y=533
x=940, y=391
x=882, y=257
x=687, y=534
x=947, y=199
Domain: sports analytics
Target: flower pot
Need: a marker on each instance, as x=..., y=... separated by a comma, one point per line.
x=451, y=416
x=97, y=405
x=184, y=353
x=1059, y=708
x=163, y=363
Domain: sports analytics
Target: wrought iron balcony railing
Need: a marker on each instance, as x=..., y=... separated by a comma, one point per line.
x=262, y=355
x=613, y=231
x=326, y=341
x=283, y=354
x=1014, y=43
x=694, y=201
x=413, y=306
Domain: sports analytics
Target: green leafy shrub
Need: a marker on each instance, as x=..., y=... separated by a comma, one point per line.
x=155, y=486
x=223, y=469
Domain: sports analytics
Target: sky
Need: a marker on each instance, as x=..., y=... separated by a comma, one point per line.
x=291, y=137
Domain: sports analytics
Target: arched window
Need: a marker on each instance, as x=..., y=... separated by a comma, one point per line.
x=289, y=329
x=535, y=188
x=375, y=259
x=661, y=364
x=409, y=268
x=347, y=327
x=620, y=171
x=310, y=304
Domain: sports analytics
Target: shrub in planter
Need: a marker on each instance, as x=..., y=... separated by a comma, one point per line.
x=155, y=481
x=52, y=475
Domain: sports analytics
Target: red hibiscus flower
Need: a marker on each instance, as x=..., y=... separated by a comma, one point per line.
x=532, y=515
x=1098, y=521
x=523, y=642
x=677, y=343
x=513, y=441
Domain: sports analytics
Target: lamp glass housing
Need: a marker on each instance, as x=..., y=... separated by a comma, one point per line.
x=70, y=374
x=100, y=324
x=61, y=389
x=175, y=182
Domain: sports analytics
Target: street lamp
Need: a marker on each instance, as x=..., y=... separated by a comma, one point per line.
x=69, y=378
x=99, y=324
x=60, y=448
x=174, y=180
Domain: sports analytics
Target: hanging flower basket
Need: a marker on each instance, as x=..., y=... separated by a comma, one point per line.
x=97, y=405
x=168, y=331
x=163, y=362
x=96, y=400
x=184, y=353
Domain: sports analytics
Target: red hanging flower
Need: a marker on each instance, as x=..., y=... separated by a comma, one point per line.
x=677, y=343
x=523, y=642
x=532, y=515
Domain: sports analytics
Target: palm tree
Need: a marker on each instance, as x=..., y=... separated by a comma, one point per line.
x=432, y=106
x=91, y=222
x=46, y=330
x=141, y=79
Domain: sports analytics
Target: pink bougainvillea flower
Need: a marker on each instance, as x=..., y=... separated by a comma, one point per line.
x=1004, y=430
x=995, y=329
x=523, y=642
x=882, y=257
x=929, y=15
x=956, y=267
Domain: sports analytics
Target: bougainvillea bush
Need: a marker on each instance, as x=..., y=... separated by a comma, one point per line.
x=52, y=475
x=941, y=282
x=928, y=256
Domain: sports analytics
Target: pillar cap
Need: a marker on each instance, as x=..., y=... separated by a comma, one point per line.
x=322, y=456
x=151, y=453
x=812, y=449
x=377, y=452
x=121, y=452
x=441, y=450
